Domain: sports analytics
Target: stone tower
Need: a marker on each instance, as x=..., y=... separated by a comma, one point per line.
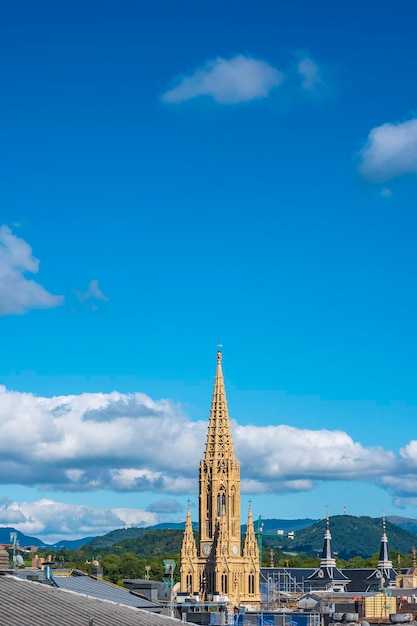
x=218, y=564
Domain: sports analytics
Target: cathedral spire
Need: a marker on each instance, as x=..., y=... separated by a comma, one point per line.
x=219, y=444
x=219, y=565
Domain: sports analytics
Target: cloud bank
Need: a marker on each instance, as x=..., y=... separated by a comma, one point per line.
x=390, y=152
x=19, y=294
x=132, y=443
x=43, y=517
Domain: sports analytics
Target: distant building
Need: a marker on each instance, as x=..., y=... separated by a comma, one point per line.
x=384, y=575
x=328, y=576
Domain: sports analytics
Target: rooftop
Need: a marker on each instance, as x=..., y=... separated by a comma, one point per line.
x=27, y=603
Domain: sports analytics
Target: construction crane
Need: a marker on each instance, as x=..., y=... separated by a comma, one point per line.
x=259, y=534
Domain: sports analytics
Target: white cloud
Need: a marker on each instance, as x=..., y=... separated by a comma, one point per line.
x=113, y=441
x=227, y=81
x=309, y=73
x=297, y=458
x=97, y=441
x=53, y=521
x=19, y=294
x=390, y=151
x=93, y=293
x=132, y=443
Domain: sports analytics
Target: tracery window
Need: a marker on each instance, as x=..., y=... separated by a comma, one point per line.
x=221, y=502
x=224, y=583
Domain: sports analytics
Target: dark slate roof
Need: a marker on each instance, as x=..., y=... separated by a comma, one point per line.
x=27, y=603
x=328, y=574
x=387, y=573
x=358, y=579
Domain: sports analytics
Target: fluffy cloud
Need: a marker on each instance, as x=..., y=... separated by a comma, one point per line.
x=390, y=151
x=297, y=458
x=227, y=81
x=131, y=443
x=19, y=294
x=43, y=517
x=89, y=442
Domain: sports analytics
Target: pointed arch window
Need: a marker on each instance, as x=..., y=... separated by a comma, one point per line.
x=224, y=583
x=251, y=583
x=221, y=502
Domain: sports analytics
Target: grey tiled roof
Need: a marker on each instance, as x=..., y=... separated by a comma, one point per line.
x=30, y=604
x=106, y=591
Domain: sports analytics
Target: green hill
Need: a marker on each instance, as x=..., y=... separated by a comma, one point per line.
x=153, y=543
x=351, y=536
x=115, y=536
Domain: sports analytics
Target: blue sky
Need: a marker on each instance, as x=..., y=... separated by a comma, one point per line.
x=175, y=175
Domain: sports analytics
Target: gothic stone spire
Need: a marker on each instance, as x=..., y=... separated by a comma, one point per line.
x=219, y=446
x=188, y=548
x=250, y=546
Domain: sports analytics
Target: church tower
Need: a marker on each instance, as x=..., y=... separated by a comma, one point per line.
x=218, y=563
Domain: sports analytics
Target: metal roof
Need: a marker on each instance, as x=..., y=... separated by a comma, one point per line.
x=31, y=603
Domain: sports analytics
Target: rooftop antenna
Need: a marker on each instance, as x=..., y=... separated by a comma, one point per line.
x=14, y=542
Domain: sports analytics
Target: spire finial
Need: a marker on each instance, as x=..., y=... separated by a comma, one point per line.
x=219, y=353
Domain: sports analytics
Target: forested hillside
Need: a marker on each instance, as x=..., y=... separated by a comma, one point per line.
x=351, y=536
